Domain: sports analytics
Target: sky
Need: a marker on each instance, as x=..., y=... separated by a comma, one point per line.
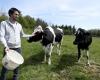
x=78, y=13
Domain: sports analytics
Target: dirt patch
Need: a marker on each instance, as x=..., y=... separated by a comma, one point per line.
x=93, y=69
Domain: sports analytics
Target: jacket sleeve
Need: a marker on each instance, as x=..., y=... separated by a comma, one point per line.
x=25, y=35
x=2, y=34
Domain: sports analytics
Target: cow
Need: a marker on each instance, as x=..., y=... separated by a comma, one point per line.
x=83, y=40
x=48, y=38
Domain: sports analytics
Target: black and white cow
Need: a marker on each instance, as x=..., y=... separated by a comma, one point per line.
x=83, y=40
x=48, y=37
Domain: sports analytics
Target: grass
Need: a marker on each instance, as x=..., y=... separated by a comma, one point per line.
x=63, y=67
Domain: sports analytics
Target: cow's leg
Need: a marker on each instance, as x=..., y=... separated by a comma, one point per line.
x=58, y=48
x=79, y=54
x=88, y=62
x=45, y=52
x=50, y=47
x=47, y=56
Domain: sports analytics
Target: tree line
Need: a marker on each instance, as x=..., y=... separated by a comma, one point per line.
x=30, y=23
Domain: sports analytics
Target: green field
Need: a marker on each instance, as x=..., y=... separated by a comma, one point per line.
x=63, y=67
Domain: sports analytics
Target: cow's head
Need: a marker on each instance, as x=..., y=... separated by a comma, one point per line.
x=37, y=34
x=79, y=35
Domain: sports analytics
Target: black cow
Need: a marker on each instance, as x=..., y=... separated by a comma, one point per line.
x=48, y=38
x=83, y=40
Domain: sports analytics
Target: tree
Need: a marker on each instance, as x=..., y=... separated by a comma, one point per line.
x=23, y=22
x=30, y=21
x=41, y=22
x=2, y=18
x=74, y=30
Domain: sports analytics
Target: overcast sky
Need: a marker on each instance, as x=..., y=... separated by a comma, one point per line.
x=81, y=13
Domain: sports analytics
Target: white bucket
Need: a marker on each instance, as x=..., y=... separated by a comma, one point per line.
x=12, y=60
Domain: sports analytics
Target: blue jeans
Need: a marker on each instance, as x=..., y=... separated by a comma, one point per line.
x=4, y=70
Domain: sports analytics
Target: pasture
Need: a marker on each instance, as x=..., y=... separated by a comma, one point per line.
x=63, y=67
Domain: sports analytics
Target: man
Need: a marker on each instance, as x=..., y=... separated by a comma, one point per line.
x=10, y=33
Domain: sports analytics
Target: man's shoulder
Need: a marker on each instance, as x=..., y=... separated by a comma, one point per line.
x=3, y=22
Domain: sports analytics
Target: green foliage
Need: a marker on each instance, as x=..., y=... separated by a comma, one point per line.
x=31, y=22
x=68, y=30
x=41, y=22
x=95, y=32
x=3, y=17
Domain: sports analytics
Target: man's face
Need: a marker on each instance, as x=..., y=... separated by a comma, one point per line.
x=15, y=15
